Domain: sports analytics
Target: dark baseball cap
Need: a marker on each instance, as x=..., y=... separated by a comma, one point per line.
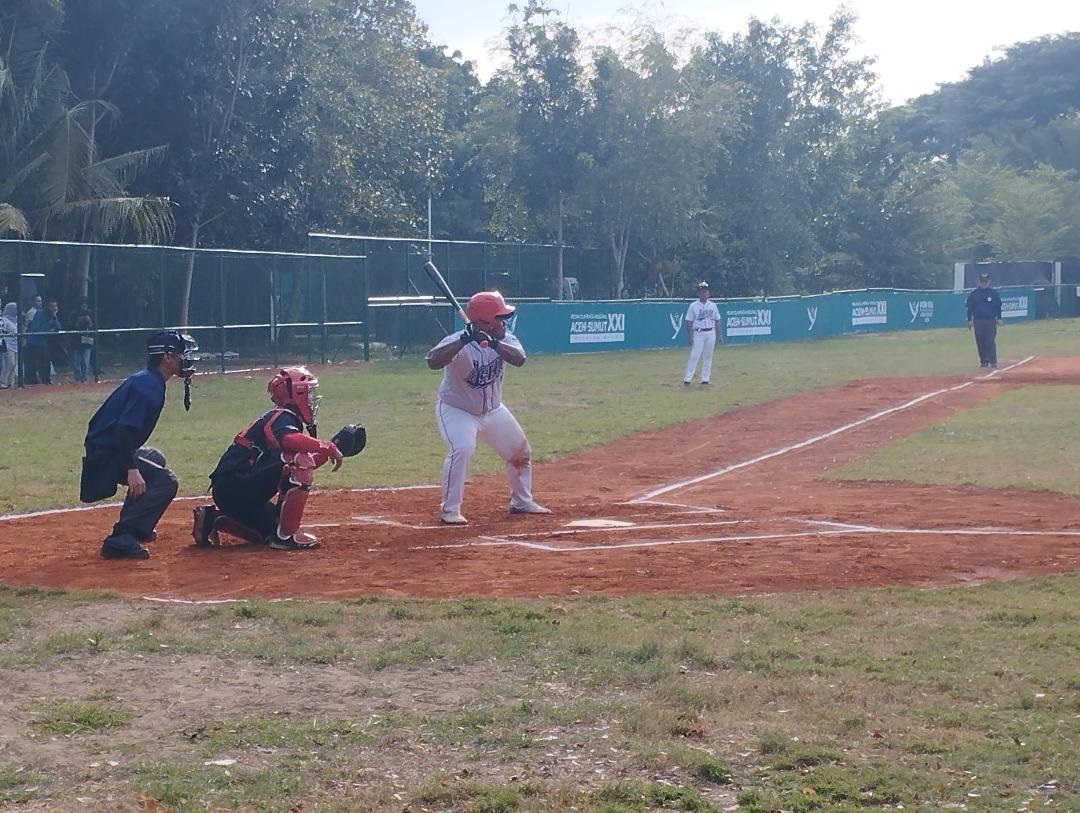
x=984, y=275
x=169, y=341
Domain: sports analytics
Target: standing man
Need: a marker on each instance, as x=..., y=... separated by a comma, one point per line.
x=114, y=446
x=38, y=362
x=82, y=343
x=702, y=329
x=984, y=317
x=469, y=405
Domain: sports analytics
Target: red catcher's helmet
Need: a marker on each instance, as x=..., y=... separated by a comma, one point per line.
x=487, y=306
x=296, y=387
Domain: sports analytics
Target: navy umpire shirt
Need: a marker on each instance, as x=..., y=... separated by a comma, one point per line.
x=135, y=404
x=984, y=303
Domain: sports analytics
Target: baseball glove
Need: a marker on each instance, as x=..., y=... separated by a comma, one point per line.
x=350, y=439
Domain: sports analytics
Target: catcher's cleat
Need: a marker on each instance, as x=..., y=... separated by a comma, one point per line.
x=529, y=508
x=227, y=525
x=294, y=542
x=202, y=525
x=453, y=518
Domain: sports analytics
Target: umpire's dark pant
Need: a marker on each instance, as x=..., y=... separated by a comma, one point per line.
x=140, y=516
x=986, y=339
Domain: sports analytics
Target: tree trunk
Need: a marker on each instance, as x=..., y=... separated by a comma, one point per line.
x=189, y=274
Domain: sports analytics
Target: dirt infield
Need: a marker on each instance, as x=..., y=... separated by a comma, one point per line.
x=730, y=504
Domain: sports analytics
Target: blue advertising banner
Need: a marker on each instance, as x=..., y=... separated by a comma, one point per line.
x=586, y=327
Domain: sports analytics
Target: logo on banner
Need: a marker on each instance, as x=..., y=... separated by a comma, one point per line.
x=676, y=323
x=869, y=312
x=921, y=310
x=590, y=328
x=750, y=322
x=811, y=315
x=1014, y=307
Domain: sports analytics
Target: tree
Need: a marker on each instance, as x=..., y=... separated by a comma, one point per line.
x=649, y=143
x=546, y=76
x=54, y=181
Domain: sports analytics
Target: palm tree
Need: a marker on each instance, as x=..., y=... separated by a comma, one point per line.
x=52, y=182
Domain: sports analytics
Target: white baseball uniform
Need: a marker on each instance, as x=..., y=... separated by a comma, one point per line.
x=702, y=320
x=469, y=405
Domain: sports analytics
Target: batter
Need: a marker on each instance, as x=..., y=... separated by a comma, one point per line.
x=469, y=405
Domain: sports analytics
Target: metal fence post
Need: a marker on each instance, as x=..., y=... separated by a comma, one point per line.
x=221, y=310
x=322, y=315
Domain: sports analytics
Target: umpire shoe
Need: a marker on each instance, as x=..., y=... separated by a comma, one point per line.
x=292, y=543
x=529, y=508
x=123, y=546
x=453, y=518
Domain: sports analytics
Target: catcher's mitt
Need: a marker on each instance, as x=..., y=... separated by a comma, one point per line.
x=350, y=439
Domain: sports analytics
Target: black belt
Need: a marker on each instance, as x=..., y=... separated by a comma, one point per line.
x=703, y=330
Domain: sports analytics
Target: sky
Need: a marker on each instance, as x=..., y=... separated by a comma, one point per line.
x=916, y=44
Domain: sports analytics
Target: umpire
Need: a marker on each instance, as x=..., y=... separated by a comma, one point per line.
x=984, y=317
x=114, y=446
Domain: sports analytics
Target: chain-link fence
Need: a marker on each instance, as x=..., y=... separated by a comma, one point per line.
x=244, y=308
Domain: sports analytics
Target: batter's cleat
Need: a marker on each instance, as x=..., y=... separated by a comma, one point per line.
x=453, y=518
x=292, y=542
x=529, y=508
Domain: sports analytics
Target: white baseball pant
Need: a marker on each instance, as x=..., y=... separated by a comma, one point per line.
x=702, y=348
x=500, y=430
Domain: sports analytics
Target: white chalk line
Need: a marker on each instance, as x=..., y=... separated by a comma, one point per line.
x=842, y=530
x=679, y=484
x=201, y=497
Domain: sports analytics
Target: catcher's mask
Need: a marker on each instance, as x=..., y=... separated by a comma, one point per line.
x=296, y=387
x=487, y=306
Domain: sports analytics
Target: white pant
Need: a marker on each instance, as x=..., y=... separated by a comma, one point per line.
x=704, y=342
x=500, y=430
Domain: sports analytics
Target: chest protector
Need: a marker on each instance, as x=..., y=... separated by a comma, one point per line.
x=255, y=450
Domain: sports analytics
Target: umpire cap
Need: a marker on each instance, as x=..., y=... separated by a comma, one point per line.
x=167, y=341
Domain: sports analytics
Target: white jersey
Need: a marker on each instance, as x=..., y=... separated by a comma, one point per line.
x=703, y=315
x=472, y=381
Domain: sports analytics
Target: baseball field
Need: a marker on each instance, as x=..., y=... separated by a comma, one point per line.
x=845, y=576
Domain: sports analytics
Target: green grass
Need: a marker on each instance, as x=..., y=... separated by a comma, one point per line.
x=609, y=395
x=1025, y=438
x=844, y=699
x=72, y=717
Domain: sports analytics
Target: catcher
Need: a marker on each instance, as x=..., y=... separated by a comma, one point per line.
x=274, y=456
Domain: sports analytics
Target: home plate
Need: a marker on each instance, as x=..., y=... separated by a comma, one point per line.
x=598, y=523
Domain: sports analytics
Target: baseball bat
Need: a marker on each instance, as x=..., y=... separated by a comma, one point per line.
x=444, y=289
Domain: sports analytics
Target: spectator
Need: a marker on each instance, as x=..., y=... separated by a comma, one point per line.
x=35, y=306
x=9, y=345
x=38, y=364
x=82, y=343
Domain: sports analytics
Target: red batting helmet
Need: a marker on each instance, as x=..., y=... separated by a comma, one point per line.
x=296, y=387
x=487, y=306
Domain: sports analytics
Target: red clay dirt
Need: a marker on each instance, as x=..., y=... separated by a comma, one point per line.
x=767, y=524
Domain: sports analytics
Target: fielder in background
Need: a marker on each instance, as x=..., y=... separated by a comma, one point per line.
x=984, y=317
x=261, y=484
x=114, y=446
x=469, y=405
x=702, y=330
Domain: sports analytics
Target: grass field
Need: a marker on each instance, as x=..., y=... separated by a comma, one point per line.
x=916, y=699
x=565, y=403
